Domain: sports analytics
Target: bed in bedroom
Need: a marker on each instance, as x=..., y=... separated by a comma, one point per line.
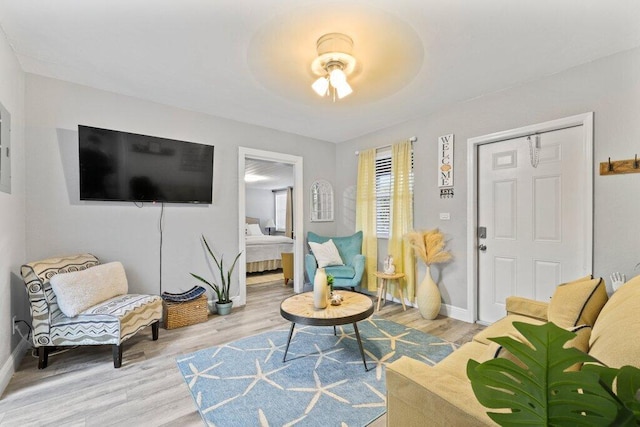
x=264, y=252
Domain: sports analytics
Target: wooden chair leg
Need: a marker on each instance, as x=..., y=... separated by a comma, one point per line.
x=43, y=357
x=117, y=355
x=155, y=326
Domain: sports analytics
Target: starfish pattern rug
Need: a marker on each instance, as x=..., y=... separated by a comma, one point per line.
x=322, y=383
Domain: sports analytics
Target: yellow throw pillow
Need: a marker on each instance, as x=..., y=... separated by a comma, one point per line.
x=577, y=303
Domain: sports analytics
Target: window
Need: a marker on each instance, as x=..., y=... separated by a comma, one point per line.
x=280, y=209
x=384, y=184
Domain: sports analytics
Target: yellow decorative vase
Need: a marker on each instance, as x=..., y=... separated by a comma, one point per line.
x=428, y=297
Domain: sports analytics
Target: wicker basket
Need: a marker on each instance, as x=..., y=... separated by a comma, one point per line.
x=179, y=314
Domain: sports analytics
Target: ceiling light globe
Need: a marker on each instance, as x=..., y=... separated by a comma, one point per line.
x=321, y=86
x=337, y=77
x=343, y=90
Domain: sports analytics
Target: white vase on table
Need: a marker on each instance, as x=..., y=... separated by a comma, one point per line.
x=320, y=289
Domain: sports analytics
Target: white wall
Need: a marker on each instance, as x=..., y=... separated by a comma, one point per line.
x=58, y=223
x=609, y=87
x=260, y=204
x=12, y=214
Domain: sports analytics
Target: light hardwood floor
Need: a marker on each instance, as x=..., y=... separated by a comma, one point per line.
x=81, y=388
x=268, y=276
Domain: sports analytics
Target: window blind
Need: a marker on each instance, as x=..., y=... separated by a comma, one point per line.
x=384, y=184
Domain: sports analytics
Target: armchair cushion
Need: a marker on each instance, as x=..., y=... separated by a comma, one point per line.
x=79, y=290
x=341, y=272
x=326, y=253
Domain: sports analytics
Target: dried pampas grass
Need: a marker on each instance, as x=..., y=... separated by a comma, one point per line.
x=428, y=245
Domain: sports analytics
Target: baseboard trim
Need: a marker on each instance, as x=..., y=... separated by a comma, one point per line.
x=445, y=310
x=456, y=313
x=11, y=364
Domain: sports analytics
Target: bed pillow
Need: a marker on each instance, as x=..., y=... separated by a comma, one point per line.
x=254, y=230
x=326, y=253
x=80, y=290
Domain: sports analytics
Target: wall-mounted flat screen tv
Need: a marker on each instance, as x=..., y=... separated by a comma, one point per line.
x=122, y=166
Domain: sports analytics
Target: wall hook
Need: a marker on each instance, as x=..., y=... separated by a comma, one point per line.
x=618, y=167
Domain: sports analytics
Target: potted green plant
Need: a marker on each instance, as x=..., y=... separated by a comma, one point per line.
x=224, y=302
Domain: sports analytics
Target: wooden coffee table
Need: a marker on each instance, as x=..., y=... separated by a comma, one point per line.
x=354, y=308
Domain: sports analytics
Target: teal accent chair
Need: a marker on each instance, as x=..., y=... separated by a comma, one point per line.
x=348, y=275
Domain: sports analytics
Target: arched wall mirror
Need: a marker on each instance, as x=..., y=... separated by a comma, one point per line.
x=321, y=201
x=5, y=150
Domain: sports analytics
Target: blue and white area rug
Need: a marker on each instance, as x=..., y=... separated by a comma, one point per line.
x=322, y=383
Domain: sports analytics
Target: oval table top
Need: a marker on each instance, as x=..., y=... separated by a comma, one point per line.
x=299, y=309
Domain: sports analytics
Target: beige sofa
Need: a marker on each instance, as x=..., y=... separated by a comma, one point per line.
x=441, y=395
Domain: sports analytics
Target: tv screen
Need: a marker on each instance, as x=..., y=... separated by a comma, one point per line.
x=122, y=166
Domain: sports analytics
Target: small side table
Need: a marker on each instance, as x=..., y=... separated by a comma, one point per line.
x=287, y=266
x=382, y=290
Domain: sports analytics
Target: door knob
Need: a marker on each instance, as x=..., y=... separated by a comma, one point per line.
x=482, y=247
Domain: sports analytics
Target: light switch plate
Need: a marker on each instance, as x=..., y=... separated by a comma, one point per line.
x=445, y=216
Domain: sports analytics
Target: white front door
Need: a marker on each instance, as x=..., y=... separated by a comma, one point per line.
x=531, y=193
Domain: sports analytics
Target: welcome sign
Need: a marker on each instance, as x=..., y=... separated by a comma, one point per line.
x=445, y=161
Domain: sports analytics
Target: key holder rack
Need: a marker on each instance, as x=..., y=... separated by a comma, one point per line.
x=617, y=167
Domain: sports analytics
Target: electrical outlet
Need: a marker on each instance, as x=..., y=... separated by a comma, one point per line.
x=14, y=325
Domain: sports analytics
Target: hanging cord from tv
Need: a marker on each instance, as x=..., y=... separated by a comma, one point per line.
x=161, y=229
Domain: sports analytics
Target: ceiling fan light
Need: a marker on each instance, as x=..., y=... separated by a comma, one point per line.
x=343, y=90
x=334, y=63
x=321, y=86
x=337, y=77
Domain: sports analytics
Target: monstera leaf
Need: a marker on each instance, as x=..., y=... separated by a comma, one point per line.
x=626, y=382
x=542, y=392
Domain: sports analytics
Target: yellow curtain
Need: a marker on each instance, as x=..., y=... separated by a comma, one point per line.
x=402, y=215
x=366, y=215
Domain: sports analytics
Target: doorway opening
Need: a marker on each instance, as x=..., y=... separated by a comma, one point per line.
x=267, y=219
